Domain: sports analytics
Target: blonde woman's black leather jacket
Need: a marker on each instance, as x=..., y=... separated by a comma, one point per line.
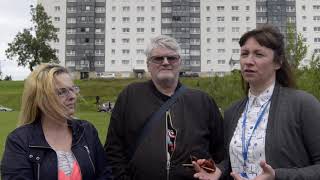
x=27, y=154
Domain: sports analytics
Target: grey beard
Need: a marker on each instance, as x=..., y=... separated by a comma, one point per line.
x=167, y=82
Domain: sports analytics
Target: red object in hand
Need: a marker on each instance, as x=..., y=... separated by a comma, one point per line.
x=208, y=164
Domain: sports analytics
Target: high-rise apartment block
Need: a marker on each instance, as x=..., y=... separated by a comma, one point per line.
x=182, y=20
x=308, y=24
x=129, y=26
x=110, y=36
x=222, y=23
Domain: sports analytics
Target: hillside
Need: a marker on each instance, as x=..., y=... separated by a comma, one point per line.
x=108, y=90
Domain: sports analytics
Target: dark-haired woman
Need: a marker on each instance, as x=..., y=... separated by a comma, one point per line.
x=272, y=133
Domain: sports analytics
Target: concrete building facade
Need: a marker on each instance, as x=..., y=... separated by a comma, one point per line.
x=277, y=12
x=181, y=20
x=57, y=10
x=222, y=23
x=308, y=24
x=97, y=37
x=130, y=25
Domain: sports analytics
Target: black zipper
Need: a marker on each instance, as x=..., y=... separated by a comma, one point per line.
x=38, y=173
x=38, y=163
x=88, y=151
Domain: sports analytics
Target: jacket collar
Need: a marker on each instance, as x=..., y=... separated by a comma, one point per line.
x=163, y=97
x=38, y=139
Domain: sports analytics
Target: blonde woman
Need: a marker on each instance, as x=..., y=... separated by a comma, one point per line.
x=49, y=143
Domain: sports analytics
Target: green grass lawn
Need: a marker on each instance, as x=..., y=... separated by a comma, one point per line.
x=224, y=90
x=108, y=90
x=8, y=122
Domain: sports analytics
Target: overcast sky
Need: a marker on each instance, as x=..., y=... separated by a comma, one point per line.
x=14, y=16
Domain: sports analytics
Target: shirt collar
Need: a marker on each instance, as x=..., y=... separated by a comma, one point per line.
x=261, y=98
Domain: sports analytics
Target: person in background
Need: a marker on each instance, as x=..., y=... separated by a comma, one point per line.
x=272, y=133
x=97, y=100
x=49, y=143
x=147, y=141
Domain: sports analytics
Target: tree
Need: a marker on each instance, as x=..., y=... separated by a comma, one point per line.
x=8, y=78
x=307, y=77
x=310, y=76
x=315, y=62
x=31, y=46
x=296, y=49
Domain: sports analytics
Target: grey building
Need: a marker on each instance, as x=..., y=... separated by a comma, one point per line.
x=276, y=12
x=98, y=37
x=184, y=25
x=85, y=31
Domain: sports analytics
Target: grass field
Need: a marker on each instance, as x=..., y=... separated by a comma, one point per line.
x=224, y=90
x=108, y=90
x=8, y=122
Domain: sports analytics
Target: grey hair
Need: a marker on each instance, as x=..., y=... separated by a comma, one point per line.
x=162, y=41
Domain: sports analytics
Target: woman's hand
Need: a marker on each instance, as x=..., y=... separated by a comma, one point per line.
x=237, y=176
x=268, y=173
x=202, y=174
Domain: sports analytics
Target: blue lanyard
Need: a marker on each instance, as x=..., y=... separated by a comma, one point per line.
x=245, y=145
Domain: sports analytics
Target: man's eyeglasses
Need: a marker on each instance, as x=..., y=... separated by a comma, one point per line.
x=159, y=59
x=65, y=92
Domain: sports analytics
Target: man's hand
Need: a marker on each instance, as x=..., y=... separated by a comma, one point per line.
x=202, y=174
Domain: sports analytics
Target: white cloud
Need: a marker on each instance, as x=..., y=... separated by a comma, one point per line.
x=11, y=68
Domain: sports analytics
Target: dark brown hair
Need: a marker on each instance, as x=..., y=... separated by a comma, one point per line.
x=270, y=37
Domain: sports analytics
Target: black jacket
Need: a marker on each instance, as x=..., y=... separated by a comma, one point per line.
x=199, y=132
x=292, y=144
x=27, y=154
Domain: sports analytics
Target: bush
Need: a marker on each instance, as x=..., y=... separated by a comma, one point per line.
x=8, y=78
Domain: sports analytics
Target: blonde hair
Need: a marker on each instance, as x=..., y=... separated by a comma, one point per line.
x=39, y=95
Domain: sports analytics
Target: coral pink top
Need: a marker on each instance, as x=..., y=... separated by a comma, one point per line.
x=68, y=167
